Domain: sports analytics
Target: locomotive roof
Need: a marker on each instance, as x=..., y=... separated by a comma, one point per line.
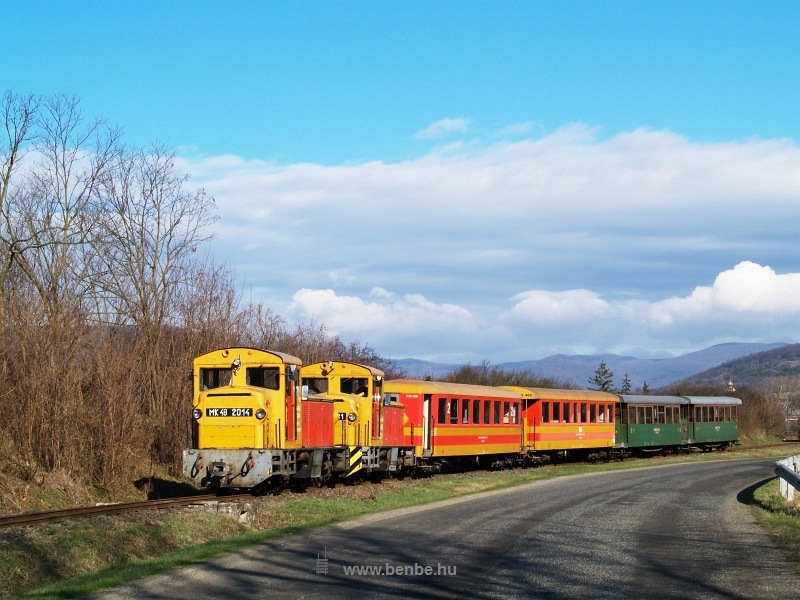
x=374, y=371
x=285, y=358
x=713, y=400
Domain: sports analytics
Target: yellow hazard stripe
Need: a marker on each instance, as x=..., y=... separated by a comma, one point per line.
x=354, y=464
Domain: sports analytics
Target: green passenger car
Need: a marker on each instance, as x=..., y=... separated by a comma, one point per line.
x=714, y=421
x=647, y=424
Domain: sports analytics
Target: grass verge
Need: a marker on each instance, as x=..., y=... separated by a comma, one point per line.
x=76, y=559
x=779, y=518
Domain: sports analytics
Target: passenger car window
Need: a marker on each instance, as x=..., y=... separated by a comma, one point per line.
x=442, y=415
x=454, y=410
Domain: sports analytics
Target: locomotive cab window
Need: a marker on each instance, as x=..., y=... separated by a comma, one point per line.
x=316, y=385
x=545, y=412
x=265, y=377
x=214, y=378
x=356, y=386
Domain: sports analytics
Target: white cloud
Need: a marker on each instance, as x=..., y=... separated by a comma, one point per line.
x=645, y=239
x=569, y=307
x=444, y=127
x=746, y=291
x=515, y=129
x=542, y=322
x=384, y=312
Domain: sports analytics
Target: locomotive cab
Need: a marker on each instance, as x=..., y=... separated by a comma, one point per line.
x=367, y=432
x=245, y=417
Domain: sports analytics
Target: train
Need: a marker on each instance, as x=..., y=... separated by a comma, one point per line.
x=261, y=420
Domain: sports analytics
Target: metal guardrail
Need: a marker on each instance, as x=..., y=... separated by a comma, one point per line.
x=788, y=470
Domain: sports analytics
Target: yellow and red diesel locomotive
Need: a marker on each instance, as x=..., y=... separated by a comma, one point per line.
x=263, y=420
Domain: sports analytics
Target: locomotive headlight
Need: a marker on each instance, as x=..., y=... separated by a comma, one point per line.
x=351, y=416
x=260, y=414
x=197, y=413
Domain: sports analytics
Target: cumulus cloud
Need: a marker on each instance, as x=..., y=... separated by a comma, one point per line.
x=643, y=239
x=444, y=127
x=746, y=291
x=515, y=129
x=540, y=322
x=572, y=306
x=382, y=316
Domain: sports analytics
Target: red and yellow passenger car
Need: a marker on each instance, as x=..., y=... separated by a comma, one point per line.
x=577, y=423
x=454, y=422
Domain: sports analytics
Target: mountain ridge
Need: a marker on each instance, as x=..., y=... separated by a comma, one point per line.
x=580, y=368
x=783, y=361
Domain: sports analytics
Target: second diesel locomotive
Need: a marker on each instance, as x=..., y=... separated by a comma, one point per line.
x=263, y=420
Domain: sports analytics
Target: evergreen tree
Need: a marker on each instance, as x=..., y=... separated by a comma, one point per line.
x=626, y=385
x=645, y=389
x=603, y=380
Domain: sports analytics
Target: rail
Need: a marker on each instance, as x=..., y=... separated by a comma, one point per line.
x=108, y=509
x=788, y=470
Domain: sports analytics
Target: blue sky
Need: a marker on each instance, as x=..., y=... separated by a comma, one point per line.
x=468, y=180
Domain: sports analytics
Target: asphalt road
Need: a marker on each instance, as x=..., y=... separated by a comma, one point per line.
x=678, y=531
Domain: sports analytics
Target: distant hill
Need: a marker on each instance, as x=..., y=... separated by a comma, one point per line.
x=579, y=369
x=749, y=370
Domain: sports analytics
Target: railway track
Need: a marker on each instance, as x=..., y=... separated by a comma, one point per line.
x=35, y=518
x=51, y=516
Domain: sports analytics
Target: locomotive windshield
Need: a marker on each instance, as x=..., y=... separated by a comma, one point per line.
x=265, y=377
x=316, y=385
x=214, y=378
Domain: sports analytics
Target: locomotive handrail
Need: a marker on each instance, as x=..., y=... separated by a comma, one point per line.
x=787, y=470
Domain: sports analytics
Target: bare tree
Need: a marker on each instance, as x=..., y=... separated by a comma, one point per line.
x=55, y=211
x=52, y=161
x=209, y=310
x=19, y=115
x=152, y=227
